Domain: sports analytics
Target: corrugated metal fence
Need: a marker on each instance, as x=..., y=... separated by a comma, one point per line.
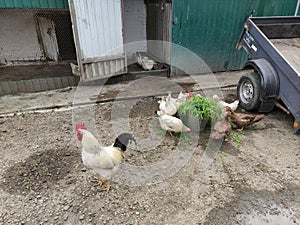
x=211, y=28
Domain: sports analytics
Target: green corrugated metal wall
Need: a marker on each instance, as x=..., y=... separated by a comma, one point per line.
x=211, y=28
x=34, y=4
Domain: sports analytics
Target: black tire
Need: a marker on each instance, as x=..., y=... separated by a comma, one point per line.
x=248, y=91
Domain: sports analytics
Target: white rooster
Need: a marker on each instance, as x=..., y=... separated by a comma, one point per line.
x=171, y=123
x=101, y=159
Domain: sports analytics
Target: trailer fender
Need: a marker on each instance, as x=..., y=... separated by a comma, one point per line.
x=269, y=82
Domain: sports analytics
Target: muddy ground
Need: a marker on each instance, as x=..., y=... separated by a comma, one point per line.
x=252, y=179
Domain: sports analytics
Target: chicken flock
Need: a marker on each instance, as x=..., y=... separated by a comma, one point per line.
x=168, y=107
x=104, y=159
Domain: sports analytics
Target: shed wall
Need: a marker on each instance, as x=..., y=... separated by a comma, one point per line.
x=33, y=3
x=18, y=39
x=211, y=28
x=135, y=26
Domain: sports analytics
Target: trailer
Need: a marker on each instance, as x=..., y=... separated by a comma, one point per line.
x=273, y=46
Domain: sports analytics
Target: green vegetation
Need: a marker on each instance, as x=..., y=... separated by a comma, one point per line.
x=236, y=137
x=186, y=137
x=202, y=107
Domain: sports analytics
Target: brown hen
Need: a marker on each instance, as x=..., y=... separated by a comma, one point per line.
x=243, y=120
x=222, y=128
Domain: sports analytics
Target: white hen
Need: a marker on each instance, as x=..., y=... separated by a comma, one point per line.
x=167, y=107
x=180, y=99
x=75, y=70
x=171, y=123
x=147, y=64
x=234, y=105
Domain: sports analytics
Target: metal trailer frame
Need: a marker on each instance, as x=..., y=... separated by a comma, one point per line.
x=278, y=78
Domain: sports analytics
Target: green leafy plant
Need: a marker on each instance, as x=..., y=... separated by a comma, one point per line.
x=202, y=107
x=236, y=137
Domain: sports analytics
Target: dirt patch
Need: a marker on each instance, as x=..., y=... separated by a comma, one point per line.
x=39, y=171
x=46, y=182
x=144, y=107
x=289, y=48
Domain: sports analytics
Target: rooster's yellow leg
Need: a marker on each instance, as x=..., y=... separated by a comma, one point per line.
x=100, y=182
x=107, y=185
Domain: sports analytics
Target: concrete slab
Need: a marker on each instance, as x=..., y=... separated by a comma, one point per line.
x=63, y=98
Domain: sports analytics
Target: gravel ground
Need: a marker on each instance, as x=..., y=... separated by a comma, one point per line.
x=253, y=178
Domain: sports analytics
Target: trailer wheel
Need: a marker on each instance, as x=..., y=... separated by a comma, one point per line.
x=248, y=91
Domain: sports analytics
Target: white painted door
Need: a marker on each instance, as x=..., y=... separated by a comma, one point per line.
x=97, y=28
x=48, y=38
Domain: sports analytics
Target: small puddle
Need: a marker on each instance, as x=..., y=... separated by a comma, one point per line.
x=251, y=207
x=276, y=215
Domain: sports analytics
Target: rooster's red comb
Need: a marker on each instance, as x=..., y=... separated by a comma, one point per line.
x=80, y=126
